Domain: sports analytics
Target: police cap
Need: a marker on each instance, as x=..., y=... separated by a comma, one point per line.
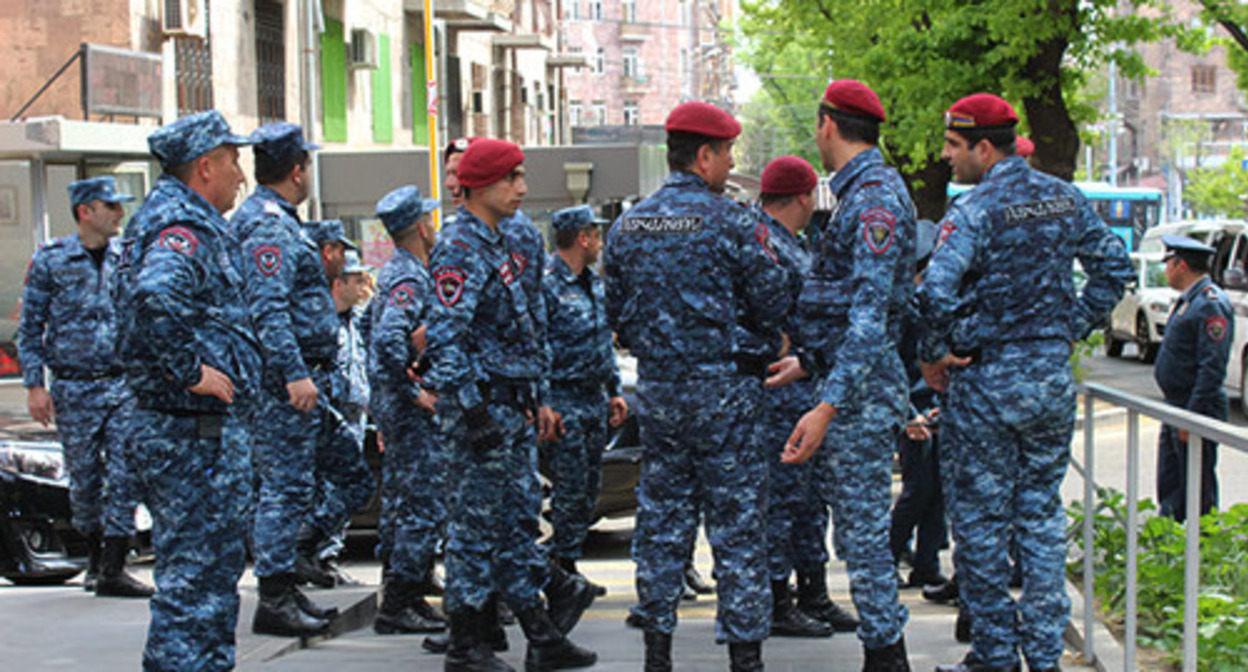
x=190, y=137
x=1024, y=147
x=401, y=208
x=353, y=264
x=329, y=231
x=788, y=175
x=702, y=119
x=96, y=189
x=852, y=97
x=1186, y=248
x=575, y=218
x=980, y=111
x=488, y=160
x=281, y=141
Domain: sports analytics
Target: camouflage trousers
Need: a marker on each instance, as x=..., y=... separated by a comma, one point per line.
x=199, y=493
x=344, y=483
x=494, y=504
x=854, y=472
x=1006, y=446
x=414, y=490
x=697, y=455
x=574, y=464
x=93, y=423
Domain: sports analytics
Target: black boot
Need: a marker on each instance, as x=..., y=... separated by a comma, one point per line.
x=568, y=595
x=962, y=627
x=658, y=652
x=313, y=609
x=400, y=614
x=569, y=565
x=278, y=612
x=95, y=551
x=550, y=649
x=114, y=581
x=745, y=656
x=813, y=600
x=467, y=652
x=789, y=621
x=695, y=582
x=943, y=594
x=972, y=664
x=308, y=567
x=431, y=586
x=891, y=658
x=492, y=624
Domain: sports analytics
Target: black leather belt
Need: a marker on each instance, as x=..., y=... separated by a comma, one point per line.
x=90, y=375
x=511, y=394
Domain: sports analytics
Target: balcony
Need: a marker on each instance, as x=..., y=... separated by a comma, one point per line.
x=469, y=15
x=634, y=86
x=634, y=32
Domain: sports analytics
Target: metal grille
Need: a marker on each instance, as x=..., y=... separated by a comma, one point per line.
x=194, y=73
x=270, y=62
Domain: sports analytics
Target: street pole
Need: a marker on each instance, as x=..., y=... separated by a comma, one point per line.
x=1113, y=123
x=431, y=98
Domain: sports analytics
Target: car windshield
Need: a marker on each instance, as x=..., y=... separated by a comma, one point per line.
x=1155, y=274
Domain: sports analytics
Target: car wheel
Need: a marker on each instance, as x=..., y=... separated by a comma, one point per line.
x=41, y=579
x=1146, y=350
x=1113, y=346
x=1243, y=386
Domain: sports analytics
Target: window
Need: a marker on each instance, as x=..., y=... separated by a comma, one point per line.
x=600, y=61
x=600, y=113
x=628, y=11
x=574, y=113
x=595, y=10
x=574, y=10
x=632, y=113
x=270, y=62
x=632, y=62
x=1204, y=79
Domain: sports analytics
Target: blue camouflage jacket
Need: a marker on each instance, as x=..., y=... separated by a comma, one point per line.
x=862, y=275
x=793, y=257
x=1191, y=365
x=68, y=323
x=1002, y=271
x=489, y=322
x=287, y=292
x=685, y=269
x=187, y=303
x=350, y=379
x=401, y=305
x=577, y=333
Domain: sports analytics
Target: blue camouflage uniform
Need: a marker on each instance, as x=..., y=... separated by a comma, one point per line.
x=583, y=377
x=797, y=519
x=683, y=268
x=1009, y=415
x=1190, y=368
x=486, y=345
x=181, y=305
x=850, y=313
x=68, y=325
x=414, y=466
x=294, y=316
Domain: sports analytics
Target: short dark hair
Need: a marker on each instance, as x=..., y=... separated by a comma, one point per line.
x=682, y=148
x=1000, y=138
x=1197, y=263
x=567, y=238
x=270, y=170
x=777, y=200
x=183, y=171
x=851, y=127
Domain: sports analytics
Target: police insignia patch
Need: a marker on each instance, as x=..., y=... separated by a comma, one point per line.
x=1216, y=327
x=450, y=285
x=763, y=235
x=877, y=230
x=519, y=262
x=401, y=296
x=179, y=239
x=268, y=259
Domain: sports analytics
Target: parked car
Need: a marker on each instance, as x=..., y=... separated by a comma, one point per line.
x=38, y=546
x=1140, y=317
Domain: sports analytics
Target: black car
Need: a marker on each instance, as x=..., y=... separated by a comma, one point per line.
x=38, y=546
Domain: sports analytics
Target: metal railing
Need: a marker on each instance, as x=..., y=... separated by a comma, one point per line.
x=1198, y=427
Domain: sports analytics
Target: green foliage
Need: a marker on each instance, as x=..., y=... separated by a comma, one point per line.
x=1082, y=350
x=1219, y=191
x=1223, y=599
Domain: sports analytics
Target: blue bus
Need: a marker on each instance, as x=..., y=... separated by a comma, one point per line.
x=1129, y=211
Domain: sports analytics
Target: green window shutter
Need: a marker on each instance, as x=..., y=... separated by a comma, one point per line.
x=383, y=103
x=334, y=82
x=420, y=97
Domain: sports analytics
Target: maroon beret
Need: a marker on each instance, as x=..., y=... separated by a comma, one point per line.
x=980, y=110
x=787, y=175
x=853, y=98
x=1024, y=147
x=702, y=118
x=487, y=161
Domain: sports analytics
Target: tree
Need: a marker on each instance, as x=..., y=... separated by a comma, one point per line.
x=1219, y=192
x=922, y=55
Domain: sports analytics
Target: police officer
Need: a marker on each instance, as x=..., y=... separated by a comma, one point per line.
x=413, y=466
x=1190, y=368
x=486, y=345
x=68, y=325
x=194, y=363
x=1005, y=454
x=851, y=311
x=293, y=313
x=584, y=379
x=683, y=268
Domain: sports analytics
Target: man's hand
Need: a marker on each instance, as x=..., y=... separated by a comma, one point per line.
x=549, y=424
x=808, y=435
x=302, y=394
x=917, y=429
x=213, y=383
x=937, y=373
x=427, y=400
x=785, y=371
x=619, y=411
x=39, y=403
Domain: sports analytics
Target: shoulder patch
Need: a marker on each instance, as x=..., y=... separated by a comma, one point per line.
x=1215, y=327
x=947, y=228
x=449, y=284
x=519, y=262
x=878, y=228
x=179, y=239
x=660, y=225
x=402, y=296
x=268, y=259
x=762, y=233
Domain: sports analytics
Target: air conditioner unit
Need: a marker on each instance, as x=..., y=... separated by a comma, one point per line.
x=184, y=17
x=363, y=51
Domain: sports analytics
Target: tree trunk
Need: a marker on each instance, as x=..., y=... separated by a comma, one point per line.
x=930, y=198
x=1053, y=131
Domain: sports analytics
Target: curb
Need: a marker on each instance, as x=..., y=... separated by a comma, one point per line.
x=1108, y=653
x=357, y=614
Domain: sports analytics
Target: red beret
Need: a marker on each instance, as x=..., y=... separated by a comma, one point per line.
x=487, y=161
x=1024, y=147
x=787, y=175
x=704, y=119
x=854, y=98
x=980, y=110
